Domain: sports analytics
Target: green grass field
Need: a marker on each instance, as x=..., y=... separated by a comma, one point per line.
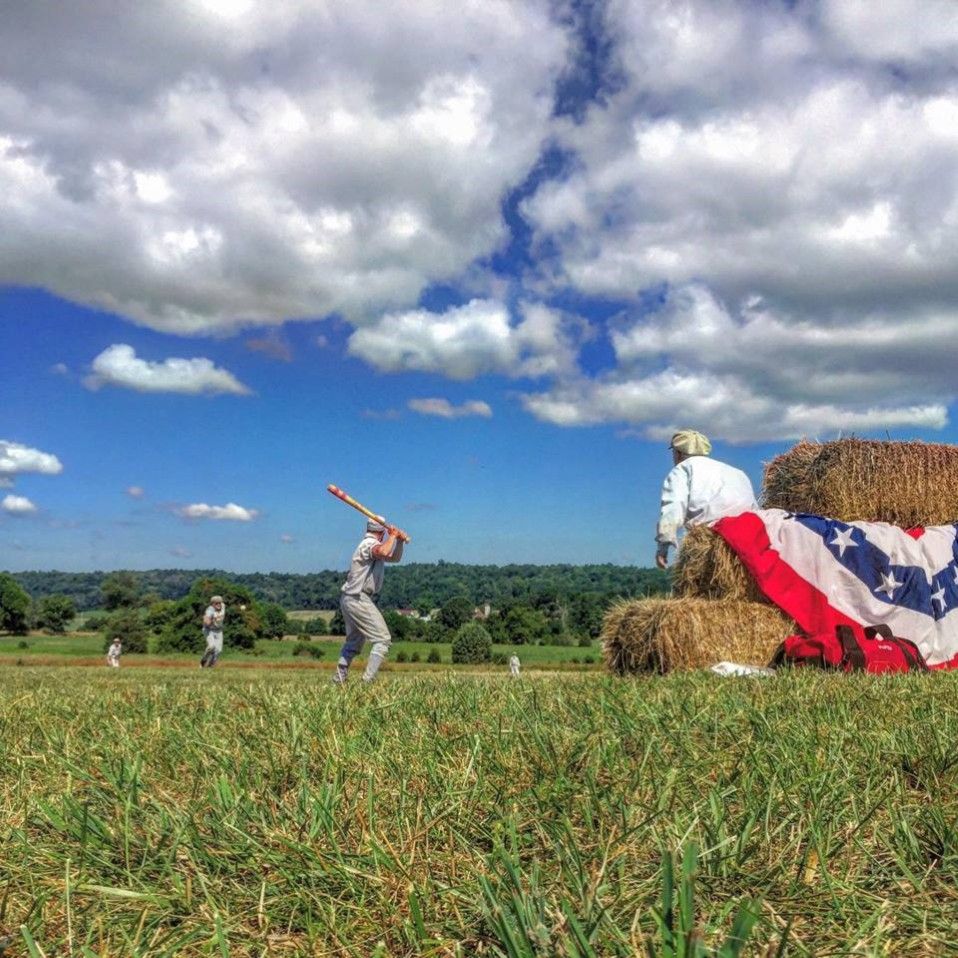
x=264, y=812
x=304, y=615
x=86, y=648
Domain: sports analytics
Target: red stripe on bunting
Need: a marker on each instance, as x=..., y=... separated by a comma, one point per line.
x=781, y=584
x=777, y=580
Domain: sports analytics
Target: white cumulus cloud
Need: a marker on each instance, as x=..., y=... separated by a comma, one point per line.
x=770, y=194
x=764, y=197
x=447, y=410
x=230, y=512
x=895, y=31
x=196, y=171
x=16, y=458
x=17, y=505
x=467, y=341
x=724, y=371
x=135, y=492
x=118, y=365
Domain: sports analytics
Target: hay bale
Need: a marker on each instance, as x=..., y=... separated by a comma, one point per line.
x=708, y=568
x=905, y=483
x=662, y=635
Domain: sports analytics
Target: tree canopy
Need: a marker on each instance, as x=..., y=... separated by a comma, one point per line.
x=14, y=605
x=423, y=586
x=55, y=613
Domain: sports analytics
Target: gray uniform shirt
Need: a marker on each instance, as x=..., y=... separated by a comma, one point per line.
x=213, y=620
x=365, y=570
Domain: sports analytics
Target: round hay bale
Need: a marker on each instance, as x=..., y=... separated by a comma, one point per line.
x=905, y=483
x=665, y=635
x=708, y=568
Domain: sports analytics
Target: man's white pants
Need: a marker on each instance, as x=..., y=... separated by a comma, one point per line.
x=214, y=646
x=364, y=622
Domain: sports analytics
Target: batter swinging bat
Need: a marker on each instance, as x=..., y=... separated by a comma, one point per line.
x=350, y=501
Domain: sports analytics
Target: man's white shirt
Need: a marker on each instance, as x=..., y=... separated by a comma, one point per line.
x=701, y=490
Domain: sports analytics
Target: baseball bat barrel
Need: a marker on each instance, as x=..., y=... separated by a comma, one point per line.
x=350, y=501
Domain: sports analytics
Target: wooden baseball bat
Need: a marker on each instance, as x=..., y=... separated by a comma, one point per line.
x=350, y=501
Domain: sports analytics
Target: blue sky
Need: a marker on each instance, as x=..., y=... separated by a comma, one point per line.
x=473, y=266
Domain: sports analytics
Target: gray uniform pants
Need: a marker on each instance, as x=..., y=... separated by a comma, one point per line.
x=364, y=622
x=214, y=646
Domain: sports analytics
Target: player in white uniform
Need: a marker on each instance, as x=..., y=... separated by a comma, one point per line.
x=113, y=654
x=698, y=490
x=213, y=621
x=364, y=621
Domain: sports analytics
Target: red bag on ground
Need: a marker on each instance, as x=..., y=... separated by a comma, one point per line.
x=873, y=649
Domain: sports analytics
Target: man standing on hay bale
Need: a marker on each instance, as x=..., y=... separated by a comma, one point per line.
x=698, y=490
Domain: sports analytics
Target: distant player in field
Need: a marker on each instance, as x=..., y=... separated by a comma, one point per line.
x=364, y=622
x=514, y=665
x=213, y=620
x=698, y=490
x=113, y=654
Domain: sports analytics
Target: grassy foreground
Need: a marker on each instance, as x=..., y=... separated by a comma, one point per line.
x=151, y=812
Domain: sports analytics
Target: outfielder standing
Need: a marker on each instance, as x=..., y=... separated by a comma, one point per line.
x=113, y=653
x=213, y=620
x=380, y=544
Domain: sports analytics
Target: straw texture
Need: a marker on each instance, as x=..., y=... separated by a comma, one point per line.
x=665, y=635
x=905, y=483
x=708, y=568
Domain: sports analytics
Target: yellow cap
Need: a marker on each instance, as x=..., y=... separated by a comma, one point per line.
x=691, y=443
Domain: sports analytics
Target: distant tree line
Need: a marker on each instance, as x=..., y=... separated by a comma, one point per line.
x=145, y=622
x=547, y=612
x=422, y=586
x=19, y=612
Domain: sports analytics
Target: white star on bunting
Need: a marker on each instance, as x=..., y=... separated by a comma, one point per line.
x=939, y=597
x=844, y=541
x=889, y=584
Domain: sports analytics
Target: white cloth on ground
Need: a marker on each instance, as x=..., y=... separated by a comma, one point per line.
x=736, y=668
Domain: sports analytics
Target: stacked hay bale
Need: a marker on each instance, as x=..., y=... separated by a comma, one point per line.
x=665, y=635
x=906, y=483
x=717, y=611
x=708, y=568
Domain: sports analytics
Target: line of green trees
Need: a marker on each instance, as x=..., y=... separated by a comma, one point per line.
x=19, y=612
x=422, y=586
x=146, y=622
x=543, y=620
x=142, y=620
